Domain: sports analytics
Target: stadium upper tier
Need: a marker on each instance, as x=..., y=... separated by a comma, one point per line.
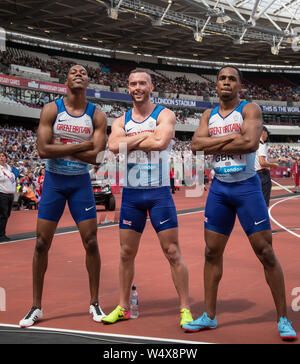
x=278, y=89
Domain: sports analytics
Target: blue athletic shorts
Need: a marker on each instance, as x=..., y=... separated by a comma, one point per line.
x=58, y=189
x=137, y=202
x=244, y=199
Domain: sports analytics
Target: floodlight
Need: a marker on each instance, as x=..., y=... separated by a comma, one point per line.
x=223, y=19
x=275, y=50
x=198, y=37
x=113, y=13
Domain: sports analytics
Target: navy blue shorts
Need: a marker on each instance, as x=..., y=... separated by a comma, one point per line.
x=137, y=202
x=244, y=199
x=58, y=189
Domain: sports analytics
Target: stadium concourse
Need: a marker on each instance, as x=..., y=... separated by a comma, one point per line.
x=32, y=75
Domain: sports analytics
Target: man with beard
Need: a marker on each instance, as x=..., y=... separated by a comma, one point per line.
x=231, y=132
x=146, y=133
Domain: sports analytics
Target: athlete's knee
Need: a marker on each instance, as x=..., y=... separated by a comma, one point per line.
x=173, y=254
x=267, y=256
x=213, y=254
x=91, y=244
x=127, y=254
x=42, y=245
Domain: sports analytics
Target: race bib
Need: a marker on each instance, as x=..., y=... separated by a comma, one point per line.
x=224, y=163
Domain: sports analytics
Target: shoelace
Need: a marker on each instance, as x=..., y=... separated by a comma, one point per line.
x=97, y=308
x=30, y=313
x=286, y=324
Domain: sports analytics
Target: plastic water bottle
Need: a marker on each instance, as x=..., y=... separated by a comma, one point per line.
x=134, y=303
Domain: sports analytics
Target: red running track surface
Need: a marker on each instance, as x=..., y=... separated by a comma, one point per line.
x=245, y=310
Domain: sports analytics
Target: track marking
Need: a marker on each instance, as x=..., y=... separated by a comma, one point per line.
x=56, y=234
x=281, y=186
x=276, y=222
x=79, y=332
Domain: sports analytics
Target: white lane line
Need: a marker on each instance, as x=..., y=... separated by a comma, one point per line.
x=276, y=222
x=281, y=186
x=132, y=337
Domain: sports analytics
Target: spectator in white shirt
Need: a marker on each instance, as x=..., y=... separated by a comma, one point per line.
x=262, y=165
x=7, y=190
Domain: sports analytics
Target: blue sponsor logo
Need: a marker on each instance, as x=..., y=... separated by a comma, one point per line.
x=232, y=169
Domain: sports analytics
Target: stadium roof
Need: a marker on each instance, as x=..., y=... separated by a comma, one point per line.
x=240, y=31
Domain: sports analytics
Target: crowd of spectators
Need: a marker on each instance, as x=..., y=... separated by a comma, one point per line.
x=58, y=68
x=19, y=144
x=277, y=151
x=269, y=89
x=256, y=89
x=183, y=86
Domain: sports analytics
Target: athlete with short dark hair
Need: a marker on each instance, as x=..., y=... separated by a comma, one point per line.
x=71, y=134
x=231, y=132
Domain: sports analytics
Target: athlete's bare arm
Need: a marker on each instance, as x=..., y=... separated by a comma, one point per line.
x=46, y=147
x=264, y=163
x=202, y=141
x=99, y=139
x=248, y=140
x=118, y=137
x=163, y=133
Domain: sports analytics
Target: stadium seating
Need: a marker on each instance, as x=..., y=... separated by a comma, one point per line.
x=167, y=83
